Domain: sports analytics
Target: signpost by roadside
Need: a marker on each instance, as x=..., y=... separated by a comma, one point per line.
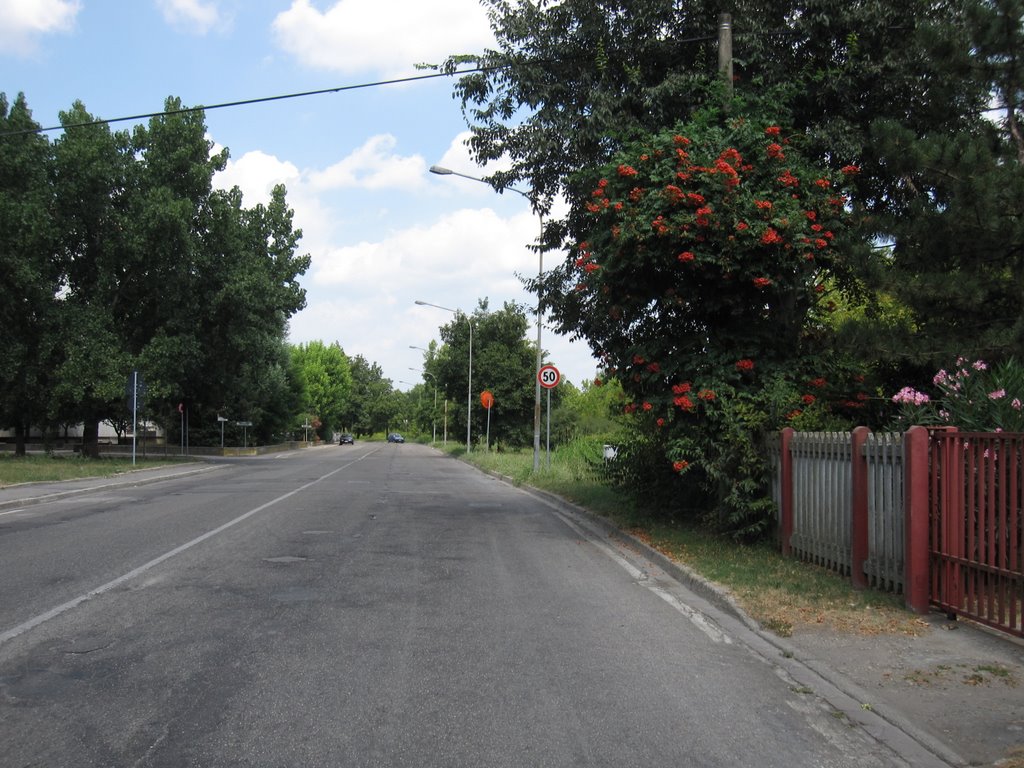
x=487, y=400
x=244, y=425
x=549, y=378
x=136, y=391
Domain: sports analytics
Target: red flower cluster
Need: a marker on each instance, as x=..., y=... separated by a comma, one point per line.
x=627, y=170
x=707, y=395
x=771, y=237
x=772, y=130
x=744, y=365
x=686, y=256
x=762, y=282
x=787, y=179
x=679, y=466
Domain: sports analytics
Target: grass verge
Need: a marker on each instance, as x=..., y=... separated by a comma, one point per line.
x=42, y=468
x=781, y=594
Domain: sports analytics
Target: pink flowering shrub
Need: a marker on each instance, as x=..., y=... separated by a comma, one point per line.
x=972, y=396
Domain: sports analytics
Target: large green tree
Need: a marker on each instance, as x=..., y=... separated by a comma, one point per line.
x=956, y=219
x=131, y=260
x=29, y=277
x=570, y=81
x=503, y=362
x=325, y=373
x=698, y=273
x=371, y=406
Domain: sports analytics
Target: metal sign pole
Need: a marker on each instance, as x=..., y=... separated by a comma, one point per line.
x=549, y=429
x=135, y=412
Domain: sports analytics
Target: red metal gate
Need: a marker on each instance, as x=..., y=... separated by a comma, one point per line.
x=976, y=549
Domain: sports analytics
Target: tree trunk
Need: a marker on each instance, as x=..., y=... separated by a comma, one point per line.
x=19, y=439
x=91, y=439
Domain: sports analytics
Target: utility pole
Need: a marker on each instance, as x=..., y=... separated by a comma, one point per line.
x=725, y=52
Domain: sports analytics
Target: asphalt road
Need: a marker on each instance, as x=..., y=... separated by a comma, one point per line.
x=373, y=605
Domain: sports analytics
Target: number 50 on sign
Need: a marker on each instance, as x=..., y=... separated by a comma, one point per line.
x=548, y=376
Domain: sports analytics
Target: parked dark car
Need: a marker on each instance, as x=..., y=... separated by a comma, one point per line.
x=394, y=437
x=347, y=439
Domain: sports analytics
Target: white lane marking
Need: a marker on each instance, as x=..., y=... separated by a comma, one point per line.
x=695, y=617
x=11, y=512
x=56, y=611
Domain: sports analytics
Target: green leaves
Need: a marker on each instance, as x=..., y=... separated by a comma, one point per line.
x=122, y=256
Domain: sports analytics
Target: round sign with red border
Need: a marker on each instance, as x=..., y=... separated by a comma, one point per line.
x=487, y=399
x=549, y=377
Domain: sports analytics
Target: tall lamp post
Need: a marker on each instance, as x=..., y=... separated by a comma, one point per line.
x=469, y=388
x=441, y=171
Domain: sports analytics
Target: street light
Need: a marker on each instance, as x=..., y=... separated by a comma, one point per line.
x=442, y=171
x=469, y=393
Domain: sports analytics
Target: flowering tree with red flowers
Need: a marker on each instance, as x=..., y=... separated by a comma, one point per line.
x=701, y=285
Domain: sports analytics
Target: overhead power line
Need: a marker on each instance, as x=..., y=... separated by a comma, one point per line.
x=245, y=102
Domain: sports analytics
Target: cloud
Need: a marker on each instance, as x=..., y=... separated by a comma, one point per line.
x=256, y=173
x=25, y=22
x=193, y=16
x=441, y=254
x=387, y=36
x=373, y=166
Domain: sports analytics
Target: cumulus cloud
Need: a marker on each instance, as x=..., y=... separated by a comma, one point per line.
x=373, y=166
x=193, y=16
x=256, y=173
x=25, y=22
x=387, y=36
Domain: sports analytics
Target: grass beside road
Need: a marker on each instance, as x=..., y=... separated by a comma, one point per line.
x=47, y=468
x=779, y=593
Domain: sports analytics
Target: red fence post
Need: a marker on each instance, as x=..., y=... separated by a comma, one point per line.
x=915, y=501
x=859, y=545
x=786, y=490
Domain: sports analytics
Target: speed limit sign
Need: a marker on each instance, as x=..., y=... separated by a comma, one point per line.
x=548, y=376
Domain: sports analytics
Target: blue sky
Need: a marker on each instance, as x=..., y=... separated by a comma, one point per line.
x=382, y=231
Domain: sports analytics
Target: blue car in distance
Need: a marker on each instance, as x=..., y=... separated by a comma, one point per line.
x=394, y=437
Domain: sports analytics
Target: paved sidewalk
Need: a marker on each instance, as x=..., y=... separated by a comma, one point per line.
x=957, y=683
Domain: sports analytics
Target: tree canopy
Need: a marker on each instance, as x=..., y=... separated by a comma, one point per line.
x=503, y=363
x=714, y=229
x=130, y=260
